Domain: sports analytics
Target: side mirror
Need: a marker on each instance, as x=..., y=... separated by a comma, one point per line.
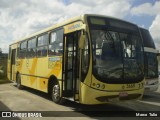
x=81, y=41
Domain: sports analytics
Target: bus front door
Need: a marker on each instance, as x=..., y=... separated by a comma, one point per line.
x=71, y=66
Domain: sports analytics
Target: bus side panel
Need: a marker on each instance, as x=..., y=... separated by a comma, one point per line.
x=31, y=72
x=42, y=84
x=45, y=68
x=24, y=80
x=42, y=72
x=55, y=67
x=23, y=72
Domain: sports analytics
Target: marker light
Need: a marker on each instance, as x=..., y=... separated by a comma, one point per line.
x=103, y=86
x=98, y=85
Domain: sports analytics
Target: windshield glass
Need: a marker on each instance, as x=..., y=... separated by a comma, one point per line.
x=116, y=55
x=151, y=69
x=147, y=38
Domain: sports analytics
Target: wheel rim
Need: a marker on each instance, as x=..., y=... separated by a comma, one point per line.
x=56, y=92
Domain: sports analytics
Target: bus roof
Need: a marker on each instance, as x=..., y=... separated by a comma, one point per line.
x=71, y=20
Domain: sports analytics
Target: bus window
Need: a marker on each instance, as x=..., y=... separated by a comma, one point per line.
x=42, y=51
x=56, y=43
x=22, y=52
x=42, y=45
x=31, y=52
x=43, y=40
x=148, y=41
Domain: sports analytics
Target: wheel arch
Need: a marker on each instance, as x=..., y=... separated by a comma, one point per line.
x=52, y=80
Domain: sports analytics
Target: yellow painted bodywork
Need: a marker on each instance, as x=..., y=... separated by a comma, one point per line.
x=13, y=67
x=89, y=95
x=89, y=92
x=116, y=87
x=35, y=72
x=73, y=27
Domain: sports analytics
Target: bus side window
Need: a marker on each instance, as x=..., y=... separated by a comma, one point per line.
x=44, y=51
x=56, y=43
x=31, y=51
x=42, y=45
x=22, y=51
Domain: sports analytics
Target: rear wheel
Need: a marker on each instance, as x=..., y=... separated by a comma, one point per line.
x=55, y=94
x=19, y=86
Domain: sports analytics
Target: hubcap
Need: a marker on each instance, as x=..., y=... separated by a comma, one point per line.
x=56, y=92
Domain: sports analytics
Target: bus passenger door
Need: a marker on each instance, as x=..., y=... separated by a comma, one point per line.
x=71, y=66
x=13, y=65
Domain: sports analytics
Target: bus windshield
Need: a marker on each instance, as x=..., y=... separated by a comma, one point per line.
x=117, y=55
x=147, y=38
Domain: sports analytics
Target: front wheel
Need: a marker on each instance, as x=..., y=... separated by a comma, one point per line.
x=55, y=94
x=19, y=86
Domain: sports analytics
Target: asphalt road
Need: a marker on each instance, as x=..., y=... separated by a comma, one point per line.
x=12, y=99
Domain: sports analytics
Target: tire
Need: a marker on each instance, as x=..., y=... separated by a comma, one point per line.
x=18, y=81
x=55, y=94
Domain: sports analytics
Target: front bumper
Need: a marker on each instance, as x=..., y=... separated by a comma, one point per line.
x=93, y=96
x=151, y=85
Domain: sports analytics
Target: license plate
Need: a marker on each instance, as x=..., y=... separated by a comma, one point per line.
x=123, y=94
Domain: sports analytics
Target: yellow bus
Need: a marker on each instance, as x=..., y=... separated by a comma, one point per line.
x=90, y=59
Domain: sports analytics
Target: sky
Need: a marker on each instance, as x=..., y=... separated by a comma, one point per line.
x=20, y=18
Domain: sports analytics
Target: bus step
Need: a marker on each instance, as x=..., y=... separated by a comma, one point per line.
x=72, y=99
x=69, y=98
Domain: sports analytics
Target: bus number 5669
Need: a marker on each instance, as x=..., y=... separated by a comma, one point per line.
x=130, y=85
